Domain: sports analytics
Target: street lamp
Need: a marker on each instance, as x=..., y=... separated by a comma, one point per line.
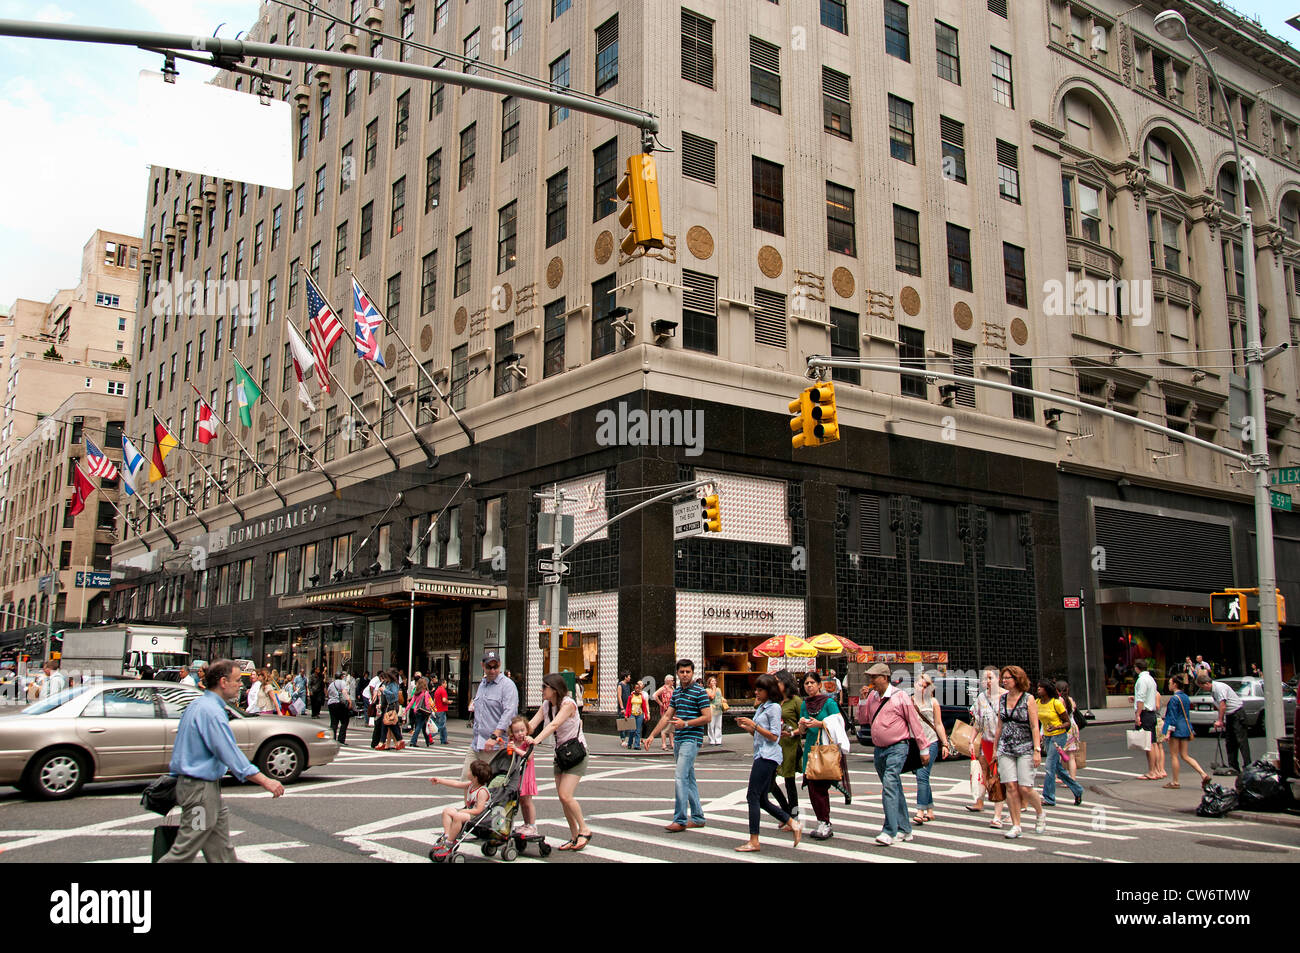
x=1171, y=25
x=49, y=609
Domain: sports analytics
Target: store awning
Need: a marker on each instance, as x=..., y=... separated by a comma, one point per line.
x=394, y=592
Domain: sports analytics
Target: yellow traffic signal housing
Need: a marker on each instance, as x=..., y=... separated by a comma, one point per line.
x=1281, y=609
x=711, y=513
x=802, y=422
x=641, y=217
x=544, y=639
x=1229, y=608
x=826, y=427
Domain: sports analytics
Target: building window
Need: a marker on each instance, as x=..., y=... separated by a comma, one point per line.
x=559, y=77
x=459, y=376
x=553, y=336
x=911, y=353
x=372, y=145
x=699, y=312
x=559, y=6
x=280, y=572
x=1013, y=274
x=506, y=224
x=770, y=318
x=769, y=196
x=324, y=116
x=514, y=26
x=946, y=52
x=837, y=111
x=1003, y=546
x=840, y=233
x=502, y=379
x=259, y=241
x=349, y=92
x=844, y=344
x=607, y=54
x=939, y=540
x=314, y=268
x=304, y=134
x=428, y=282
x=902, y=135
x=557, y=207
x=1164, y=234
x=299, y=203
x=605, y=174
x=835, y=16
x=340, y=248
x=317, y=201
x=1002, y=93
x=1082, y=209
x=1008, y=171
x=765, y=75
x=1227, y=182
x=952, y=135
x=509, y=127
x=433, y=181
x=959, y=271
x=1165, y=167
x=602, y=325
x=440, y=14
x=697, y=49
x=907, y=241
x=367, y=229
x=402, y=120
x=699, y=158
x=394, y=309
x=467, y=150
x=1022, y=375
x=397, y=219
x=898, y=40
x=464, y=260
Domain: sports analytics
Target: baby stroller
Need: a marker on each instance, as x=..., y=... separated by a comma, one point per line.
x=494, y=824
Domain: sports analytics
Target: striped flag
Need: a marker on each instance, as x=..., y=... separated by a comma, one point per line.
x=367, y=320
x=99, y=464
x=132, y=465
x=163, y=441
x=324, y=330
x=302, y=363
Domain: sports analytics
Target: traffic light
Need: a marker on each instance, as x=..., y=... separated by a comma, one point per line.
x=641, y=217
x=711, y=513
x=1229, y=608
x=802, y=423
x=826, y=428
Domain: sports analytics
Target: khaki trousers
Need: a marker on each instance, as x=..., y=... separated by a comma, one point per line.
x=205, y=824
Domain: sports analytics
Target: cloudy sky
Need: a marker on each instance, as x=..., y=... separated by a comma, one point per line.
x=68, y=165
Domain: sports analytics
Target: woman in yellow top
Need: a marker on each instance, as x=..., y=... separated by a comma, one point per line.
x=1054, y=718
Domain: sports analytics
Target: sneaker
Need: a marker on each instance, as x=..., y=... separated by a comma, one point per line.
x=1013, y=833
x=907, y=838
x=883, y=839
x=527, y=830
x=1041, y=824
x=1078, y=799
x=823, y=831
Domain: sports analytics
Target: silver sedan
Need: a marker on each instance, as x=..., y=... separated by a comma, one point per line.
x=1205, y=712
x=126, y=730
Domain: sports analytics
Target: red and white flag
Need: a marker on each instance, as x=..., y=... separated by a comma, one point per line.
x=82, y=488
x=324, y=330
x=207, y=429
x=302, y=363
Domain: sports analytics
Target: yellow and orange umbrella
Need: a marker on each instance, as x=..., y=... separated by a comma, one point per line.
x=785, y=645
x=828, y=644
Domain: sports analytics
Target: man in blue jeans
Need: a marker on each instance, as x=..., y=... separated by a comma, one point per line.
x=689, y=712
x=893, y=720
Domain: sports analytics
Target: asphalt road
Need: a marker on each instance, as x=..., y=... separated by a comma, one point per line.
x=371, y=806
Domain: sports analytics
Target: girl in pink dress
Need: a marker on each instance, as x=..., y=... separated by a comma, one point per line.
x=528, y=782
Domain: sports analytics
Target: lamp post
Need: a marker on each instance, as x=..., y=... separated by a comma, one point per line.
x=1171, y=25
x=49, y=609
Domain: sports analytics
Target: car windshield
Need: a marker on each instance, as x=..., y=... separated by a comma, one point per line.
x=54, y=701
x=169, y=659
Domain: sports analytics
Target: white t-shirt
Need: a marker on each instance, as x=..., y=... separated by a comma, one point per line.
x=254, y=693
x=1223, y=692
x=368, y=692
x=1144, y=691
x=190, y=680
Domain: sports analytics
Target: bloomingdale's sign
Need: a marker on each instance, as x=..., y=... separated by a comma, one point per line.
x=295, y=518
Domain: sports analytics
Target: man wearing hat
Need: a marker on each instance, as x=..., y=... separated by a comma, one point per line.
x=893, y=720
x=494, y=704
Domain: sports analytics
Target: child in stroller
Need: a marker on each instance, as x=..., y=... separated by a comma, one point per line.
x=491, y=801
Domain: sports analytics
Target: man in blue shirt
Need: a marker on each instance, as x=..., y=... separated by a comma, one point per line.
x=495, y=702
x=688, y=712
x=205, y=750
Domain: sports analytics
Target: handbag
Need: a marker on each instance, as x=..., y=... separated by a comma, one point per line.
x=625, y=724
x=913, y=760
x=962, y=738
x=823, y=763
x=390, y=717
x=160, y=795
x=164, y=836
x=1138, y=738
x=571, y=753
x=1081, y=755
x=997, y=791
x=725, y=706
x=976, y=780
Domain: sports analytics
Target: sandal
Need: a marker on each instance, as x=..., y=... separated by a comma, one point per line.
x=1172, y=784
x=747, y=849
x=918, y=818
x=973, y=809
x=568, y=845
x=586, y=839
x=996, y=823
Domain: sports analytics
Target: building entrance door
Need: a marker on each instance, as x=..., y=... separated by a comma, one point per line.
x=446, y=668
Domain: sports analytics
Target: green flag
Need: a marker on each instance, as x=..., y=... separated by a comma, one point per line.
x=247, y=393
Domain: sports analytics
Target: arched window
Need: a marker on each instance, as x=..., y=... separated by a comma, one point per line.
x=1164, y=165
x=1289, y=214
x=1227, y=188
x=22, y=613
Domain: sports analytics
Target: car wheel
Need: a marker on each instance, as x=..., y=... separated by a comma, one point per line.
x=282, y=759
x=55, y=775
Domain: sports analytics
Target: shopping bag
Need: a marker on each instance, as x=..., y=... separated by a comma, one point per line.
x=962, y=737
x=996, y=789
x=296, y=707
x=976, y=781
x=625, y=724
x=163, y=837
x=1138, y=738
x=1081, y=755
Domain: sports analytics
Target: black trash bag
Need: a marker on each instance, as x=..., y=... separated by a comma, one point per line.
x=1260, y=788
x=1217, y=801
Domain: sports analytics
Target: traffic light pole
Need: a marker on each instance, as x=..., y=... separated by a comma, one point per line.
x=667, y=494
x=1269, y=636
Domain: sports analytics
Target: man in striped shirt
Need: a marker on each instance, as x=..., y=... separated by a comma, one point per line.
x=688, y=712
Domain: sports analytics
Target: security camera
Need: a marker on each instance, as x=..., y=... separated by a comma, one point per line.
x=621, y=324
x=663, y=329
x=513, y=364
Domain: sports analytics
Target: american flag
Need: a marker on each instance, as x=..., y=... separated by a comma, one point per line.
x=324, y=331
x=98, y=464
x=367, y=320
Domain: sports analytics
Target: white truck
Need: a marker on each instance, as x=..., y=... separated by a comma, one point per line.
x=120, y=651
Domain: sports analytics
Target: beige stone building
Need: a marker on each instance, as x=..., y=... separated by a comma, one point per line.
x=933, y=183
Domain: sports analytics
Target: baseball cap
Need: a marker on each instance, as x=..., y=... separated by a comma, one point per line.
x=491, y=657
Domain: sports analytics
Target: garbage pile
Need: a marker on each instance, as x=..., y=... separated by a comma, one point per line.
x=1259, y=788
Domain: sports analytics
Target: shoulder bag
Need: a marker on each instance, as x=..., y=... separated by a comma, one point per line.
x=160, y=795
x=823, y=760
x=913, y=760
x=571, y=753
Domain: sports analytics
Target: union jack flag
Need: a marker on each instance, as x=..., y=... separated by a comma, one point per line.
x=367, y=320
x=324, y=330
x=98, y=464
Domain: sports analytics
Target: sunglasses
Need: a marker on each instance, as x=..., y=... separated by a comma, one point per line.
x=493, y=664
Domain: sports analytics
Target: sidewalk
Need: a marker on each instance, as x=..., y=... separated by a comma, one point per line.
x=1152, y=794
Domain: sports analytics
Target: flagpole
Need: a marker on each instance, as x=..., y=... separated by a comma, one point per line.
x=132, y=524
x=297, y=436
x=428, y=450
x=427, y=376
x=256, y=465
x=162, y=522
x=371, y=427
x=221, y=489
x=188, y=504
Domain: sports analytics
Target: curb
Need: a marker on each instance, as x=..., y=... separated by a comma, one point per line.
x=1288, y=819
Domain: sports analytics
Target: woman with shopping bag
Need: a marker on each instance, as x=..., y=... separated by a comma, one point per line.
x=825, y=754
x=984, y=717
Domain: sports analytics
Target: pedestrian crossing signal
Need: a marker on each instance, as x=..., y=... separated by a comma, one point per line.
x=711, y=514
x=1229, y=608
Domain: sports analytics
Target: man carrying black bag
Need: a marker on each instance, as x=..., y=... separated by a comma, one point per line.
x=205, y=750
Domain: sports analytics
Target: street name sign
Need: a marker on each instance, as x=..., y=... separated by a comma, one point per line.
x=1284, y=475
x=1280, y=501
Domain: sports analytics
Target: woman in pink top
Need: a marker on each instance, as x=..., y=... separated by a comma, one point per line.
x=665, y=699
x=564, y=721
